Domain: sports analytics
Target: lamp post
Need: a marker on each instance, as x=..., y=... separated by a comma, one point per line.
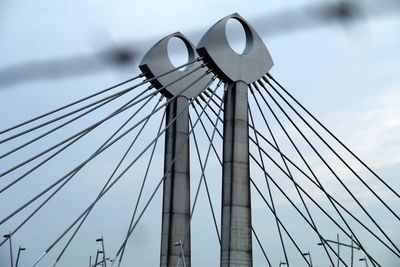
x=282, y=263
x=309, y=256
x=101, y=262
x=104, y=252
x=19, y=252
x=343, y=244
x=182, y=255
x=338, y=250
x=9, y=239
x=365, y=260
x=97, y=256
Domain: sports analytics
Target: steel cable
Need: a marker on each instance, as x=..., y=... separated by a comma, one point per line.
x=317, y=185
x=70, y=176
x=270, y=194
x=203, y=168
x=256, y=144
x=283, y=160
x=261, y=246
x=280, y=222
x=329, y=132
x=331, y=170
x=127, y=168
x=162, y=179
x=143, y=183
x=103, y=91
x=108, y=181
x=336, y=154
x=69, y=105
x=131, y=103
x=328, y=195
x=104, y=148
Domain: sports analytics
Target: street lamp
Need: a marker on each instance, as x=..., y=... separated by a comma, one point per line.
x=309, y=256
x=343, y=244
x=181, y=256
x=365, y=260
x=101, y=262
x=19, y=252
x=104, y=252
x=282, y=263
x=9, y=239
x=97, y=257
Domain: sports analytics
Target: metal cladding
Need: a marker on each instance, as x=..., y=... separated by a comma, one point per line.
x=247, y=67
x=156, y=62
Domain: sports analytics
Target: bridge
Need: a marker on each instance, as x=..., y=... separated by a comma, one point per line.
x=231, y=136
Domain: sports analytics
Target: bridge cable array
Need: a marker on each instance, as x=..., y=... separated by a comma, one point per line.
x=274, y=134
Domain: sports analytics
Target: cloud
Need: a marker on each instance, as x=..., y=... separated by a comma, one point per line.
x=372, y=128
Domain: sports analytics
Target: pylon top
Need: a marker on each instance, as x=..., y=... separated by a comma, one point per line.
x=156, y=62
x=247, y=67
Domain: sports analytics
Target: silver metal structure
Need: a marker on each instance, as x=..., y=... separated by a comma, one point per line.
x=184, y=89
x=237, y=70
x=176, y=188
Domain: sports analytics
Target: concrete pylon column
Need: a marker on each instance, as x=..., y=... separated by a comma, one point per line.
x=183, y=84
x=236, y=244
x=176, y=191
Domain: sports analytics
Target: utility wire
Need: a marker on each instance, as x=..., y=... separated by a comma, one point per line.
x=328, y=131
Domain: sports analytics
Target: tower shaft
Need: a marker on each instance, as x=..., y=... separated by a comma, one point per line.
x=176, y=190
x=236, y=244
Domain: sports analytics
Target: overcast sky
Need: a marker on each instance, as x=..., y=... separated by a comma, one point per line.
x=347, y=74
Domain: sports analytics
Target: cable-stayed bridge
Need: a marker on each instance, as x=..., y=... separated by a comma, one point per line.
x=222, y=110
